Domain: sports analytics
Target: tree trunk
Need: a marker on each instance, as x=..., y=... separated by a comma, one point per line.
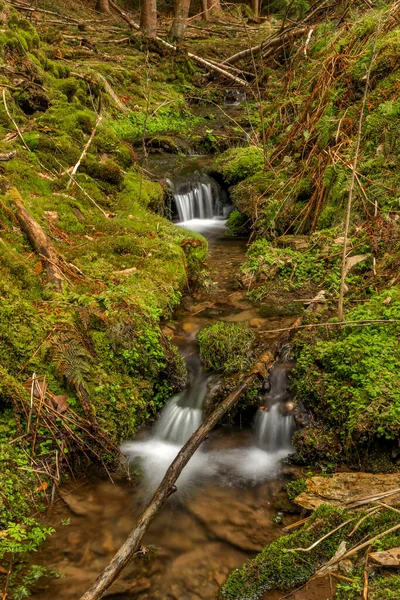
x=214, y=7
x=255, y=7
x=181, y=13
x=103, y=7
x=148, y=18
x=204, y=5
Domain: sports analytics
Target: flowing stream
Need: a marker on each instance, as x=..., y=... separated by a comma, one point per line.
x=230, y=489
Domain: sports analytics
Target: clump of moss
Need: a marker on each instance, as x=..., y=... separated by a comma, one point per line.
x=348, y=377
x=295, y=487
x=226, y=347
x=237, y=164
x=237, y=223
x=276, y=567
x=316, y=444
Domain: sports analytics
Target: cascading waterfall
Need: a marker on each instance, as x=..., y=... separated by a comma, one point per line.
x=183, y=413
x=274, y=428
x=197, y=197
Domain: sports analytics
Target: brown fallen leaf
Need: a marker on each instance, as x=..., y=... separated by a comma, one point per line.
x=60, y=403
x=42, y=487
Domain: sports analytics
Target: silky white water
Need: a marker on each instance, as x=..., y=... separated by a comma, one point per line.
x=259, y=461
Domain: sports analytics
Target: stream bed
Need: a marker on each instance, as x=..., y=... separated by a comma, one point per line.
x=227, y=496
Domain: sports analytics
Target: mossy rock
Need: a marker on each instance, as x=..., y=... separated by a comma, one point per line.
x=276, y=567
x=106, y=170
x=316, y=444
x=237, y=164
x=226, y=347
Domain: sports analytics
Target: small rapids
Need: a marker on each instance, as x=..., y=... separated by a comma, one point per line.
x=248, y=465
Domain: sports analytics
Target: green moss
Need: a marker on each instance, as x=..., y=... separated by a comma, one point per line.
x=226, y=347
x=276, y=567
x=349, y=377
x=237, y=223
x=237, y=164
x=295, y=488
x=317, y=445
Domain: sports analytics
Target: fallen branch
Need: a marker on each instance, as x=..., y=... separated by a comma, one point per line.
x=198, y=59
x=38, y=238
x=86, y=148
x=357, y=549
x=167, y=486
x=13, y=122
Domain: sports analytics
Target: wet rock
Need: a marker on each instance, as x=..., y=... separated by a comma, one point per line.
x=246, y=526
x=189, y=327
x=244, y=315
x=80, y=506
x=344, y=489
x=257, y=322
x=168, y=331
x=198, y=575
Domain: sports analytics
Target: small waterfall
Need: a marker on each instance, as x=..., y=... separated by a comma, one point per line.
x=274, y=428
x=198, y=196
x=183, y=414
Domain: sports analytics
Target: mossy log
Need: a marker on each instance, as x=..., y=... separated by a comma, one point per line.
x=39, y=240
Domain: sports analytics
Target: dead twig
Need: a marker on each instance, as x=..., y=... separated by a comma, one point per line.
x=84, y=151
x=315, y=544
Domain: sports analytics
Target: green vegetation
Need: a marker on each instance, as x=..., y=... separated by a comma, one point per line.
x=318, y=266
x=237, y=164
x=348, y=377
x=226, y=347
x=279, y=566
x=295, y=487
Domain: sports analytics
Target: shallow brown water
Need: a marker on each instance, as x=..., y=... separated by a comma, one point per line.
x=211, y=526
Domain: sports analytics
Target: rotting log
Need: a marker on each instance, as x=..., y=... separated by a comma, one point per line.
x=39, y=240
x=132, y=544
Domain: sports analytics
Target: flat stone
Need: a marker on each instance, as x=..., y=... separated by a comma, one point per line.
x=245, y=526
x=344, y=489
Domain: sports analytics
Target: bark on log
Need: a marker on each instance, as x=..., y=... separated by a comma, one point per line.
x=8, y=155
x=38, y=239
x=167, y=486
